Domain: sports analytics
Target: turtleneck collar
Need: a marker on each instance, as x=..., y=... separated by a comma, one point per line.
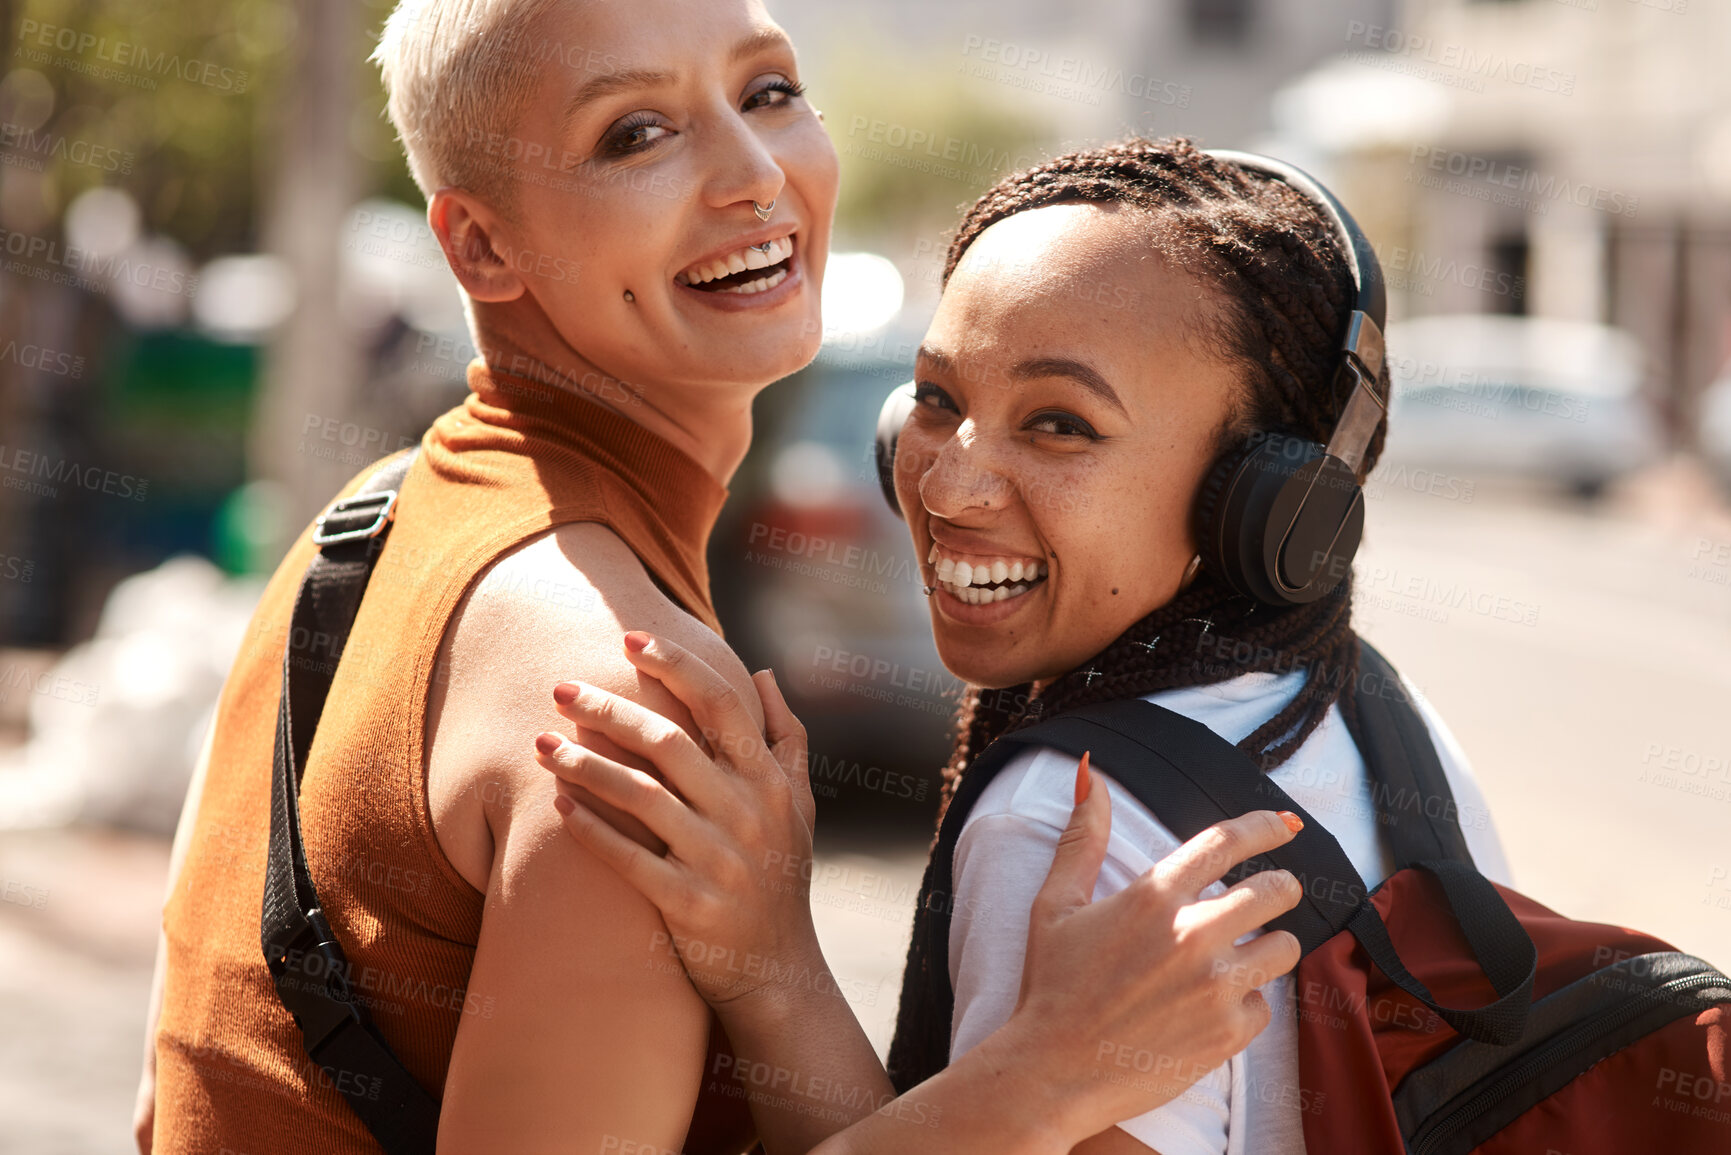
x=587, y=454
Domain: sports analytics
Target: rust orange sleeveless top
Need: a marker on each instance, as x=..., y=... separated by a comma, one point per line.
x=516, y=458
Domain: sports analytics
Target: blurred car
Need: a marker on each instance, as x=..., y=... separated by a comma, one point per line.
x=814, y=576
x=1716, y=426
x=1519, y=397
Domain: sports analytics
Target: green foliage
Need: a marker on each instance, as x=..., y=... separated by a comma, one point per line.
x=179, y=104
x=918, y=139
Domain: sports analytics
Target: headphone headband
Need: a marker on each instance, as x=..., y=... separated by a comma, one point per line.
x=1362, y=345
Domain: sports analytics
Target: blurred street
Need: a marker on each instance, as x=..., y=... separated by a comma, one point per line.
x=1599, y=732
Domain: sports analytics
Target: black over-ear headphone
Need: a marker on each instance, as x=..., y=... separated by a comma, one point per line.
x=1279, y=517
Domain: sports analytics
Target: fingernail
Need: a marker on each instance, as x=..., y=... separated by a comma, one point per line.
x=548, y=742
x=566, y=692
x=563, y=804
x=1084, y=781
x=1293, y=822
x=637, y=641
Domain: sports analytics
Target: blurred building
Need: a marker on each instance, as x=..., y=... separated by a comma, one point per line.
x=1556, y=158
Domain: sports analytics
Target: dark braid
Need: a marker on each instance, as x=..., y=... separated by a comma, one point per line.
x=1282, y=295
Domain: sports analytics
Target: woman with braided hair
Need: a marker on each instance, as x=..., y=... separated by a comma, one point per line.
x=1113, y=322
x=1027, y=386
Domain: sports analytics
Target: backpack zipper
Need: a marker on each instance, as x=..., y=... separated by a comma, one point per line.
x=1432, y=1133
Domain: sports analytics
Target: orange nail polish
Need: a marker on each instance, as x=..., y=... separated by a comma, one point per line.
x=1293, y=822
x=1084, y=783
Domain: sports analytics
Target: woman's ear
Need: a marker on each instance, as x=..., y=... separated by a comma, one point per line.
x=472, y=236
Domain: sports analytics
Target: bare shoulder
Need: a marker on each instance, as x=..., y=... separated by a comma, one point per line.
x=588, y=1007
x=554, y=609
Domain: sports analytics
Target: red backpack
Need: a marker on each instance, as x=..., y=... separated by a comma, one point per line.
x=1439, y=1014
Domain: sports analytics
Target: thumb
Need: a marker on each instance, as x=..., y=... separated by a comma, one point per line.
x=1081, y=848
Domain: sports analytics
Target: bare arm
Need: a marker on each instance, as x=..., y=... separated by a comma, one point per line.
x=144, y=1112
x=1152, y=967
x=581, y=1030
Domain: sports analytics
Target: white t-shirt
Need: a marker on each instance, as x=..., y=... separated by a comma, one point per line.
x=1006, y=849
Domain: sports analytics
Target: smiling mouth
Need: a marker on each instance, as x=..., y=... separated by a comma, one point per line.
x=979, y=581
x=753, y=269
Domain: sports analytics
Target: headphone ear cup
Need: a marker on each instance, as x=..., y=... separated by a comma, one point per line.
x=1271, y=504
x=894, y=414
x=1206, y=520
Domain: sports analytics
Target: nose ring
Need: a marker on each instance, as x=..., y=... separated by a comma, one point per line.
x=763, y=211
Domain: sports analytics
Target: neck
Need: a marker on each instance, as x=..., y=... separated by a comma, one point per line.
x=709, y=423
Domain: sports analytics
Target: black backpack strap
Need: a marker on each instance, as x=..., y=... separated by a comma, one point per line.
x=1190, y=778
x=1414, y=804
x=306, y=961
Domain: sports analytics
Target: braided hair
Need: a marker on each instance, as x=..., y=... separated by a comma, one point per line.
x=1282, y=295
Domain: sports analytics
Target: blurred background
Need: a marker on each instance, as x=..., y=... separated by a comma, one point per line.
x=219, y=300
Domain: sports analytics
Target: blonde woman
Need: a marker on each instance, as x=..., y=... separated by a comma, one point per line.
x=636, y=200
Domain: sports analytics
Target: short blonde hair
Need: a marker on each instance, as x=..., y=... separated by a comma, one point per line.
x=455, y=72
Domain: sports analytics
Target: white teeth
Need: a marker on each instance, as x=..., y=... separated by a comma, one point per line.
x=1000, y=571
x=1015, y=573
x=931, y=558
x=964, y=574
x=758, y=286
x=947, y=570
x=737, y=262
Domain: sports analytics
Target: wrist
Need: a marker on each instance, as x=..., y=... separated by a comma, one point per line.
x=789, y=985
x=1040, y=1110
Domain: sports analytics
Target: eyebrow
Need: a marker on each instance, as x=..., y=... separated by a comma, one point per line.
x=1080, y=372
x=609, y=83
x=936, y=358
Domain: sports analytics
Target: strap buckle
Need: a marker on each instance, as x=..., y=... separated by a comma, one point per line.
x=382, y=506
x=311, y=978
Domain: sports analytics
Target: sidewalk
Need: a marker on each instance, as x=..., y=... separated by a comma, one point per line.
x=77, y=943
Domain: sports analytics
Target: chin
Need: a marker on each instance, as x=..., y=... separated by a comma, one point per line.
x=989, y=671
